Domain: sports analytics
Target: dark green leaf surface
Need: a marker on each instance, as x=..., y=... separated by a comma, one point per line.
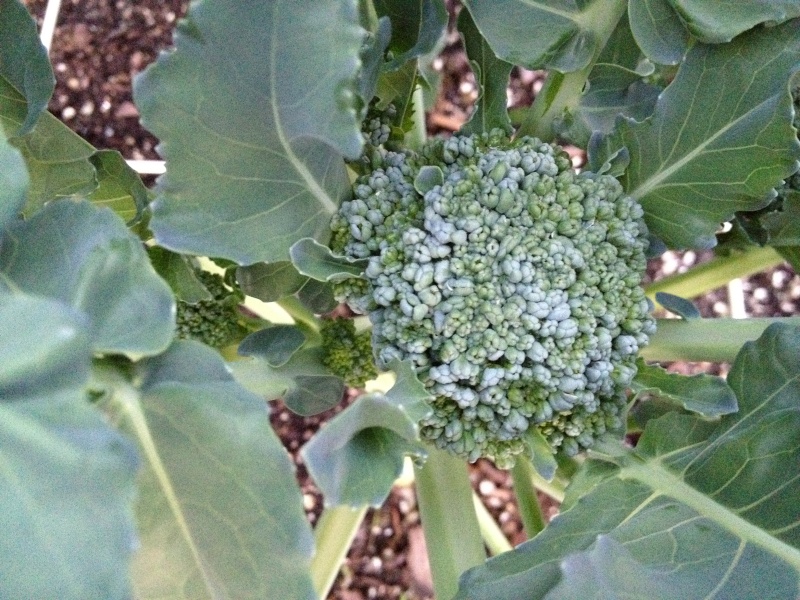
x=783, y=226
x=255, y=108
x=372, y=54
x=304, y=383
x=704, y=394
x=118, y=186
x=220, y=514
x=491, y=73
x=87, y=258
x=716, y=22
x=681, y=307
x=58, y=159
x=720, y=138
x=698, y=509
x=357, y=456
x=179, y=272
x=14, y=182
x=66, y=478
x=24, y=63
x=276, y=345
x=315, y=260
x=417, y=26
x=658, y=30
x=555, y=34
x=270, y=282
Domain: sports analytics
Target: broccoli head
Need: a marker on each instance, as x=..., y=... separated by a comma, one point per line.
x=214, y=322
x=511, y=283
x=347, y=352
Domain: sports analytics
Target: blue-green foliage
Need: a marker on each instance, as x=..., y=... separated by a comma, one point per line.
x=214, y=322
x=513, y=287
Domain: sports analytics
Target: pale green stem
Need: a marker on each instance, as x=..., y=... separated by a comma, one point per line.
x=303, y=317
x=530, y=511
x=564, y=90
x=713, y=340
x=716, y=273
x=494, y=538
x=333, y=534
x=452, y=532
x=555, y=489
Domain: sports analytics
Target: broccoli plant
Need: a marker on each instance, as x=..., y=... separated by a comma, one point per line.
x=500, y=309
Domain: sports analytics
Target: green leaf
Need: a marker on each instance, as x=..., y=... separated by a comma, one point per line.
x=357, y=456
x=372, y=54
x=255, y=109
x=315, y=260
x=428, y=178
x=220, y=514
x=416, y=27
x=58, y=159
x=270, y=282
x=24, y=63
x=783, y=226
x=492, y=74
x=408, y=392
x=118, y=186
x=87, y=258
x=720, y=138
x=14, y=182
x=791, y=254
x=276, y=344
x=717, y=22
x=66, y=478
x=549, y=34
x=304, y=383
x=704, y=394
x=45, y=347
x=180, y=274
x=540, y=453
x=658, y=30
x=612, y=91
x=698, y=509
x=681, y=307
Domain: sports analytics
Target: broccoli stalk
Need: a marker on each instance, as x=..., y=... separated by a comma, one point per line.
x=510, y=282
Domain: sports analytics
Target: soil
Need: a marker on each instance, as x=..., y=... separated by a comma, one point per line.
x=100, y=45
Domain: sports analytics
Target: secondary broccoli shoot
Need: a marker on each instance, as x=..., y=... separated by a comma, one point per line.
x=214, y=322
x=512, y=284
x=347, y=352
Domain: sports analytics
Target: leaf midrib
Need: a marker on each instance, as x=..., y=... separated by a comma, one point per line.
x=664, y=482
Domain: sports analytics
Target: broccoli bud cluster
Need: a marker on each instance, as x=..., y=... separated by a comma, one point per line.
x=512, y=284
x=214, y=322
x=347, y=352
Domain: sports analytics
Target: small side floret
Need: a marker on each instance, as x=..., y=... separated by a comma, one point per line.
x=347, y=352
x=214, y=322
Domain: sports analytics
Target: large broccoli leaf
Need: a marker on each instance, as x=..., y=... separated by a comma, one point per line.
x=87, y=258
x=66, y=477
x=720, y=137
x=698, y=509
x=255, y=108
x=219, y=510
x=24, y=64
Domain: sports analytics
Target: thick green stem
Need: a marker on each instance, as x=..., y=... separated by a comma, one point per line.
x=713, y=340
x=452, y=532
x=492, y=535
x=529, y=508
x=303, y=317
x=715, y=273
x=562, y=91
x=333, y=534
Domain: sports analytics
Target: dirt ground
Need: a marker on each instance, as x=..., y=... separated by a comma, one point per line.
x=100, y=45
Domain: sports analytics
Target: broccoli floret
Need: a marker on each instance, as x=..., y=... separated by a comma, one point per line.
x=214, y=322
x=513, y=287
x=377, y=127
x=347, y=352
